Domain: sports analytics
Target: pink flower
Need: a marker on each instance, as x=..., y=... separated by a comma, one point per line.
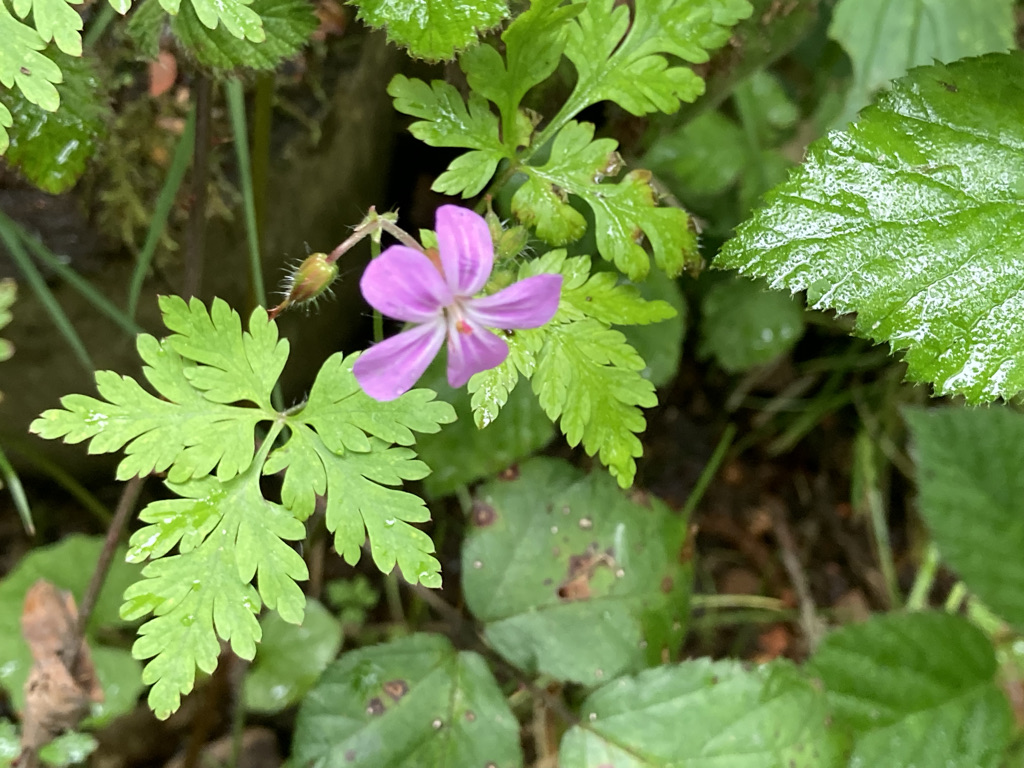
x=438, y=299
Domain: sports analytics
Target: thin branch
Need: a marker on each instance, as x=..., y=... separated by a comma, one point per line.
x=811, y=624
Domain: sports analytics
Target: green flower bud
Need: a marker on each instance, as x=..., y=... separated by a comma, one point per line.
x=511, y=242
x=312, y=277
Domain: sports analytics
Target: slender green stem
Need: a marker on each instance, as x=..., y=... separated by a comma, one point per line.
x=925, y=579
x=162, y=210
x=104, y=16
x=62, y=478
x=44, y=294
x=236, y=106
x=709, y=471
x=84, y=288
x=17, y=493
x=736, y=602
x=956, y=597
x=879, y=520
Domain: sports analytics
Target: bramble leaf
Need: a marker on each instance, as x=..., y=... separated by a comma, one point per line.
x=704, y=714
x=52, y=148
x=55, y=21
x=970, y=492
x=215, y=384
x=915, y=688
x=287, y=25
x=414, y=701
x=624, y=211
x=885, y=39
x=446, y=121
x=623, y=60
x=911, y=220
x=585, y=374
x=433, y=29
x=571, y=578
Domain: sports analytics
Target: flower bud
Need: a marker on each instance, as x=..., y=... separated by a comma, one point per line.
x=312, y=277
x=511, y=242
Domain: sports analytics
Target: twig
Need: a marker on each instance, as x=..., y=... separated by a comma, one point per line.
x=812, y=626
x=125, y=506
x=196, y=235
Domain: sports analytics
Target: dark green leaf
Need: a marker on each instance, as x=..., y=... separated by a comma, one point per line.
x=412, y=702
x=912, y=220
x=744, y=324
x=572, y=578
x=433, y=29
x=971, y=489
x=915, y=689
x=660, y=344
x=704, y=714
x=290, y=658
x=287, y=25
x=52, y=148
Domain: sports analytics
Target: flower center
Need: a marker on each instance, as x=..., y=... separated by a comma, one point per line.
x=456, y=318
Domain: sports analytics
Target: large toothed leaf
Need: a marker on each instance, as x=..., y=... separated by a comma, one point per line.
x=915, y=689
x=415, y=701
x=433, y=29
x=913, y=220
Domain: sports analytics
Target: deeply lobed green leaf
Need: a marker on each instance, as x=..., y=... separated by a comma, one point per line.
x=912, y=219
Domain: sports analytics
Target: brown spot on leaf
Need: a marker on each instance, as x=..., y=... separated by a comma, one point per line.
x=470, y=715
x=951, y=87
x=375, y=706
x=350, y=755
x=396, y=689
x=26, y=71
x=576, y=585
x=483, y=514
x=510, y=473
x=666, y=584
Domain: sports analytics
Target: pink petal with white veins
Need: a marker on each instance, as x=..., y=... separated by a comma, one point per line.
x=467, y=252
x=527, y=304
x=404, y=284
x=389, y=369
x=473, y=351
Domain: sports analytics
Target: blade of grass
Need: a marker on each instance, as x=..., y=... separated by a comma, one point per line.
x=42, y=291
x=102, y=304
x=236, y=108
x=17, y=493
x=162, y=210
x=104, y=16
x=61, y=477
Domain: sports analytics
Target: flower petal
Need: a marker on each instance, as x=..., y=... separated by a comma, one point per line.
x=467, y=252
x=473, y=350
x=389, y=369
x=527, y=304
x=404, y=284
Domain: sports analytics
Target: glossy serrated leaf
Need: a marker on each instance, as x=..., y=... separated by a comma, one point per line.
x=885, y=39
x=571, y=578
x=434, y=29
x=287, y=26
x=146, y=26
x=23, y=65
x=413, y=701
x=970, y=493
x=237, y=17
x=69, y=565
x=624, y=211
x=910, y=219
x=50, y=148
x=704, y=714
x=56, y=21
x=744, y=324
x=446, y=120
x=915, y=689
x=623, y=59
x=290, y=658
